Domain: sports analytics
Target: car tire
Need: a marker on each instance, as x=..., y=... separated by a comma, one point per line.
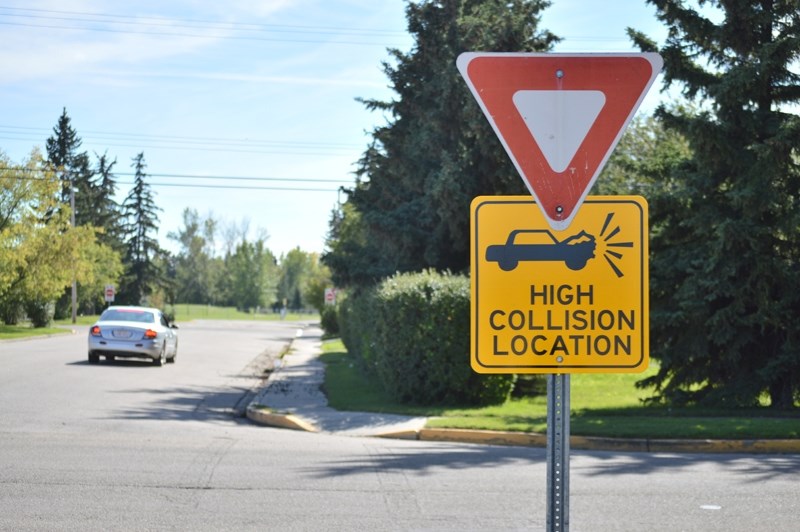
x=171, y=360
x=161, y=360
x=93, y=358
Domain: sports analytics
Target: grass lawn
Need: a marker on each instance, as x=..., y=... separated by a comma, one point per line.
x=601, y=405
x=183, y=313
x=81, y=321
x=14, y=332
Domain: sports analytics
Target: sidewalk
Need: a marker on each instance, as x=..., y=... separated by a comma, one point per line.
x=293, y=399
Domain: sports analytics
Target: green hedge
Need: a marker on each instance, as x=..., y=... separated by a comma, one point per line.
x=412, y=333
x=329, y=320
x=355, y=318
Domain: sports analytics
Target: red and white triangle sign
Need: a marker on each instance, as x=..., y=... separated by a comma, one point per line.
x=559, y=116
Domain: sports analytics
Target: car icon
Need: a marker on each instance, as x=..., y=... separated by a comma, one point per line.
x=575, y=251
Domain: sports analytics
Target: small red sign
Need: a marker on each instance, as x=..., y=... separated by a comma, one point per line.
x=559, y=116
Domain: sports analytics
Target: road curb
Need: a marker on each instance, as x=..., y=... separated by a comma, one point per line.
x=259, y=414
x=590, y=443
x=262, y=415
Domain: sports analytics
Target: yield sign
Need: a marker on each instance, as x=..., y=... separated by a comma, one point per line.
x=559, y=116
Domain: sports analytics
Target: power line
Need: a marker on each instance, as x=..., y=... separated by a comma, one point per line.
x=232, y=187
x=240, y=178
x=179, y=137
x=191, y=35
x=204, y=186
x=201, y=177
x=182, y=138
x=205, y=24
x=193, y=23
x=188, y=143
x=154, y=22
x=195, y=176
x=272, y=151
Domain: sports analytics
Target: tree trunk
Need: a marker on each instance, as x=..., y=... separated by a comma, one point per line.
x=780, y=394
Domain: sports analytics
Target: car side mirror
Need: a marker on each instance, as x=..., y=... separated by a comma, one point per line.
x=173, y=326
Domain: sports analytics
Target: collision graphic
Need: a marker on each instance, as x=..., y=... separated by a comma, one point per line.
x=541, y=245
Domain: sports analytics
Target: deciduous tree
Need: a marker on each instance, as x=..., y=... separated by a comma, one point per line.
x=40, y=251
x=197, y=270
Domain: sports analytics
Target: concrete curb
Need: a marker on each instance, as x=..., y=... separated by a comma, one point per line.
x=589, y=443
x=281, y=417
x=527, y=439
x=279, y=420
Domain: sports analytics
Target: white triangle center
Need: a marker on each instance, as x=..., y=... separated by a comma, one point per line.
x=559, y=120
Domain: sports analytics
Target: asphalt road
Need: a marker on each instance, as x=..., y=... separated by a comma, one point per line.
x=130, y=446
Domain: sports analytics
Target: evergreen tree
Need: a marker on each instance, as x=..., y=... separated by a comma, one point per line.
x=725, y=285
x=643, y=160
x=94, y=204
x=106, y=210
x=437, y=151
x=74, y=169
x=62, y=153
x=142, y=275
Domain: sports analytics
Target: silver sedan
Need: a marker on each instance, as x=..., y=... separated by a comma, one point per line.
x=133, y=332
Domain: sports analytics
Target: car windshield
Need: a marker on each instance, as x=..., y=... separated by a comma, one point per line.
x=140, y=316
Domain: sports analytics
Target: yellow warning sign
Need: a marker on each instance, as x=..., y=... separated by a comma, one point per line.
x=571, y=301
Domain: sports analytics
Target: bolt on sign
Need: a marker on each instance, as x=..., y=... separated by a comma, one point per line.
x=550, y=301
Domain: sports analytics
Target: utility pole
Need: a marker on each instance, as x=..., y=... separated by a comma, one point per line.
x=74, y=282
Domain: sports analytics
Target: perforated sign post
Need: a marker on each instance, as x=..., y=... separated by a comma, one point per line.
x=553, y=291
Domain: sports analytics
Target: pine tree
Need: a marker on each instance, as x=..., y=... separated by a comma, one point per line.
x=142, y=275
x=106, y=210
x=72, y=165
x=437, y=151
x=62, y=152
x=725, y=287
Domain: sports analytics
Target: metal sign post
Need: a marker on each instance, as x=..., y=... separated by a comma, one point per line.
x=558, y=453
x=559, y=117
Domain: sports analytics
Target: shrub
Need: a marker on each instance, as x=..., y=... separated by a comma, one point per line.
x=413, y=331
x=329, y=320
x=356, y=326
x=40, y=312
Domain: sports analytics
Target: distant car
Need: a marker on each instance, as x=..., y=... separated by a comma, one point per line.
x=575, y=251
x=133, y=332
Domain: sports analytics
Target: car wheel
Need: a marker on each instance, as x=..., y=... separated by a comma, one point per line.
x=171, y=360
x=93, y=358
x=161, y=360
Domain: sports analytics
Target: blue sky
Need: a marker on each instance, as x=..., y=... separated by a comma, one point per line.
x=262, y=90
